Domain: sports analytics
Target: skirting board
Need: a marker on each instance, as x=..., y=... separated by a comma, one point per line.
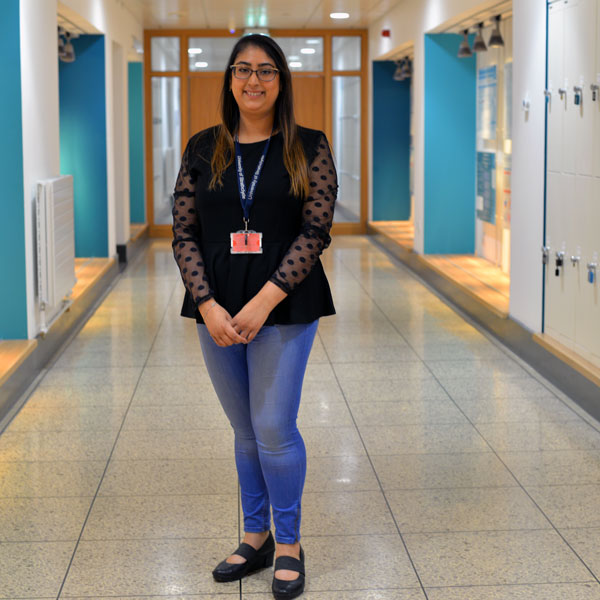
x=517, y=338
x=11, y=392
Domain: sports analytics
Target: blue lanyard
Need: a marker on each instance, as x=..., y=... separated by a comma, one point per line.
x=247, y=198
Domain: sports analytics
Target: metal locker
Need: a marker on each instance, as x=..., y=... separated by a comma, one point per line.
x=556, y=102
x=559, y=314
x=587, y=303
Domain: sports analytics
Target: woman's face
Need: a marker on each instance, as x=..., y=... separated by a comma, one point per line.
x=253, y=96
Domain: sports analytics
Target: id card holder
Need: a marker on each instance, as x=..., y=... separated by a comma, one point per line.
x=246, y=242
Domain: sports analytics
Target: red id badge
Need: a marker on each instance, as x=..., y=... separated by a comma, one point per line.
x=246, y=242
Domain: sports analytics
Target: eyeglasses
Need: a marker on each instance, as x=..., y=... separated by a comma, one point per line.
x=264, y=74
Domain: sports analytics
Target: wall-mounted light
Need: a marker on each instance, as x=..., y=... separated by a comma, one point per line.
x=66, y=52
x=478, y=43
x=398, y=76
x=464, y=50
x=496, y=40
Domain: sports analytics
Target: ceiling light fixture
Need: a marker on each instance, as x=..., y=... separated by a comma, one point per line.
x=464, y=50
x=194, y=51
x=307, y=51
x=201, y=64
x=479, y=44
x=496, y=40
x=339, y=15
x=295, y=64
x=313, y=41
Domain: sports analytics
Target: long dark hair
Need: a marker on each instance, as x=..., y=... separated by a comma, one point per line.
x=294, y=158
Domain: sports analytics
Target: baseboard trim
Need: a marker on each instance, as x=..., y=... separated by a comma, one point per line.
x=13, y=389
x=517, y=338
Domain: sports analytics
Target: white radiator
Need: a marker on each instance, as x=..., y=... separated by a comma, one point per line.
x=55, y=246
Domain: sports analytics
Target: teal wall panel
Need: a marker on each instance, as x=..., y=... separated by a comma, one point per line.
x=450, y=144
x=137, y=198
x=391, y=144
x=13, y=284
x=83, y=142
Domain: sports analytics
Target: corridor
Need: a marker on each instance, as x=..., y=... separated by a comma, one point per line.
x=440, y=465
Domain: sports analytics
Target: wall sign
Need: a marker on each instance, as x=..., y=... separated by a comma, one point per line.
x=487, y=89
x=486, y=187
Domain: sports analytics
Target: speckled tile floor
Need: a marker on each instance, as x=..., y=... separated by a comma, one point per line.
x=440, y=466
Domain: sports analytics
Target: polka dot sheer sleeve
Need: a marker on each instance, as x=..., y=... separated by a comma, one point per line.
x=186, y=233
x=317, y=218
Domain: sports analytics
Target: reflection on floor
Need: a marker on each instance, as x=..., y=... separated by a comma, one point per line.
x=14, y=352
x=477, y=276
x=439, y=466
x=482, y=279
x=402, y=232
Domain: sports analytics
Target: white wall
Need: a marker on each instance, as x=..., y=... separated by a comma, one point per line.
x=408, y=23
x=40, y=107
x=41, y=145
x=527, y=216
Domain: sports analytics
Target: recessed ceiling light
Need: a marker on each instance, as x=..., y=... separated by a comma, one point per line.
x=339, y=15
x=294, y=57
x=193, y=51
x=307, y=51
x=313, y=41
x=295, y=65
x=201, y=64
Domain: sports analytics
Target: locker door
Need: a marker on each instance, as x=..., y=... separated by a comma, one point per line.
x=587, y=304
x=556, y=107
x=559, y=317
x=584, y=64
x=596, y=104
x=571, y=53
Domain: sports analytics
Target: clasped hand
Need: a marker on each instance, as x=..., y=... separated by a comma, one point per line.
x=226, y=330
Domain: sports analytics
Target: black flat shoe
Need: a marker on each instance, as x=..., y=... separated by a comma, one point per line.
x=284, y=590
x=255, y=560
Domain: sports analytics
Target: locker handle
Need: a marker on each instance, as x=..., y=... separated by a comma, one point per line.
x=594, y=87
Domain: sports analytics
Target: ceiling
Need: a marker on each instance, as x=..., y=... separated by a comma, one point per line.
x=240, y=14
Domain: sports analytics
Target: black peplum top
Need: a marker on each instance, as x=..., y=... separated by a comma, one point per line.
x=295, y=230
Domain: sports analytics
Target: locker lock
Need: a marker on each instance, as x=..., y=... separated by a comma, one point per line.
x=592, y=271
x=578, y=94
x=560, y=259
x=561, y=92
x=545, y=254
x=594, y=87
x=575, y=260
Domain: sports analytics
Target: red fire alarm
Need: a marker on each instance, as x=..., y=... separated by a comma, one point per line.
x=386, y=33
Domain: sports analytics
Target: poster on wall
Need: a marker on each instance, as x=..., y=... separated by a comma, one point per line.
x=506, y=181
x=508, y=100
x=486, y=187
x=487, y=89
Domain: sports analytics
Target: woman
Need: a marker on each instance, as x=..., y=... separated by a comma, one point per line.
x=253, y=209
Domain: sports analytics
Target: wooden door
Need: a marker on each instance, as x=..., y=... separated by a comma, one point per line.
x=309, y=101
x=203, y=103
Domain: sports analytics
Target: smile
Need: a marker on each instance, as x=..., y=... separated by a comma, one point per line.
x=253, y=94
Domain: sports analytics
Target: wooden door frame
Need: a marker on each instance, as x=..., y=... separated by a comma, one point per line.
x=165, y=231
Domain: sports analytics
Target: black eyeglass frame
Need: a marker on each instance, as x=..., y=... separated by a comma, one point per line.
x=234, y=67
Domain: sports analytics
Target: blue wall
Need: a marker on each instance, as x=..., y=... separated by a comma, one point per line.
x=391, y=144
x=450, y=123
x=13, y=285
x=137, y=203
x=83, y=142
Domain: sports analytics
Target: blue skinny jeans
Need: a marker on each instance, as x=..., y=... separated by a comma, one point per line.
x=259, y=386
